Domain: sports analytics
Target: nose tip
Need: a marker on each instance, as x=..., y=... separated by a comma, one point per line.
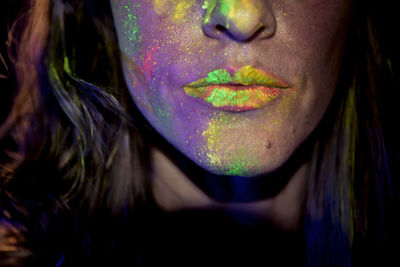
x=241, y=20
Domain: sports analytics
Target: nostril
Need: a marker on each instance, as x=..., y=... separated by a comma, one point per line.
x=215, y=31
x=234, y=35
x=262, y=32
x=220, y=28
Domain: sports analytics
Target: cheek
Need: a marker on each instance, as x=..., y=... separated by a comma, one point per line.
x=314, y=32
x=312, y=35
x=154, y=69
x=128, y=21
x=175, y=11
x=170, y=37
x=313, y=27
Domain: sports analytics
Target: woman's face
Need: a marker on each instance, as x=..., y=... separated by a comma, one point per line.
x=236, y=85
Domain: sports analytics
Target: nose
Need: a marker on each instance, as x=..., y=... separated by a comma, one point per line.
x=241, y=20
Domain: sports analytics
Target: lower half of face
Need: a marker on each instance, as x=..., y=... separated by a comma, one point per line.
x=232, y=107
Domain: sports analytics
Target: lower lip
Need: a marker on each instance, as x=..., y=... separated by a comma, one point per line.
x=234, y=98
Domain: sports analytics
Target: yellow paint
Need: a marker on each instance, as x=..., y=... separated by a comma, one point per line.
x=212, y=137
x=175, y=10
x=233, y=10
x=181, y=10
x=223, y=149
x=160, y=6
x=241, y=9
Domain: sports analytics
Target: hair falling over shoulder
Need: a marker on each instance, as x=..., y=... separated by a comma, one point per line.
x=59, y=112
x=70, y=145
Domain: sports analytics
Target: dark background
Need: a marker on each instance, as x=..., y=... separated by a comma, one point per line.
x=8, y=12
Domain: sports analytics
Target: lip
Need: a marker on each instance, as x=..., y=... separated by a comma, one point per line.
x=248, y=89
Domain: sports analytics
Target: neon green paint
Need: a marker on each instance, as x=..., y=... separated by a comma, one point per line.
x=209, y=6
x=219, y=76
x=131, y=26
x=225, y=7
x=239, y=167
x=220, y=98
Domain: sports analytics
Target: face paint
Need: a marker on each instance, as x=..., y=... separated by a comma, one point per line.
x=131, y=27
x=249, y=89
x=230, y=99
x=175, y=10
x=210, y=96
x=218, y=77
x=228, y=9
x=209, y=6
x=247, y=75
x=234, y=159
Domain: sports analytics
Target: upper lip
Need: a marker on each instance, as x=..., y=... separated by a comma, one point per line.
x=246, y=76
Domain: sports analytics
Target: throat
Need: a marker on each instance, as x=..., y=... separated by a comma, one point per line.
x=175, y=191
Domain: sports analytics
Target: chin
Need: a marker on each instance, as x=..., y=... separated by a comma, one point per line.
x=244, y=168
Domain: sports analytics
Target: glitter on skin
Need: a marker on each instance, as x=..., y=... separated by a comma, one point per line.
x=148, y=56
x=239, y=167
x=148, y=62
x=131, y=26
x=180, y=11
x=287, y=104
x=180, y=8
x=235, y=159
x=211, y=137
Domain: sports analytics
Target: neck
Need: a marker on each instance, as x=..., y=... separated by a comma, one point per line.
x=175, y=189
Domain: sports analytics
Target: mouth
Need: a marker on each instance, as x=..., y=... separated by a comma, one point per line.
x=249, y=88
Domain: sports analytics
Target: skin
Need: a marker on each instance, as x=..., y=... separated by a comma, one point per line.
x=168, y=44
